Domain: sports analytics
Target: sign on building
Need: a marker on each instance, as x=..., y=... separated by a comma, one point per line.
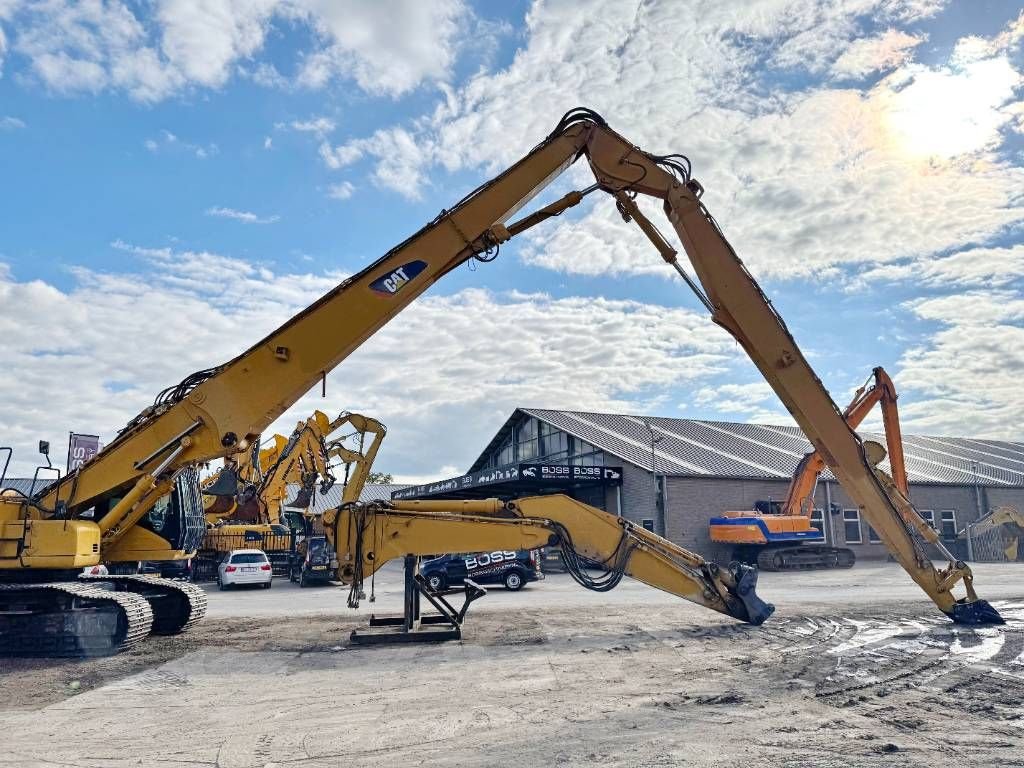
x=561, y=473
x=524, y=476
x=81, y=448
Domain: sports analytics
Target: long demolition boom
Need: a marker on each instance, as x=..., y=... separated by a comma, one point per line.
x=220, y=411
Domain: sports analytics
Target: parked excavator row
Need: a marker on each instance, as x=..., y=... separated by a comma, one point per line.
x=779, y=536
x=45, y=539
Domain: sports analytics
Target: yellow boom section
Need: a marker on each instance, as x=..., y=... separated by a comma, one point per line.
x=366, y=536
x=222, y=410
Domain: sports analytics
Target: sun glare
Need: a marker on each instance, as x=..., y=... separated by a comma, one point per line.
x=947, y=113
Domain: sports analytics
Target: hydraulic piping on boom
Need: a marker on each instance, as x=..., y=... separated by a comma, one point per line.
x=366, y=536
x=220, y=411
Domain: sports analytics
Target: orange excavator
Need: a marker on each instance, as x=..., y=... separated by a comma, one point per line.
x=779, y=536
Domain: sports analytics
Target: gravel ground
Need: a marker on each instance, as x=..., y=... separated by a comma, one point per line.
x=854, y=669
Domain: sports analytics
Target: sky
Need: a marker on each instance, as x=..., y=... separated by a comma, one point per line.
x=181, y=176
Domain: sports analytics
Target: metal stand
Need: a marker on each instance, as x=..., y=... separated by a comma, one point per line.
x=409, y=628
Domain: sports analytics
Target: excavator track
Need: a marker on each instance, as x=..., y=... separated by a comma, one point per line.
x=804, y=557
x=70, y=619
x=176, y=605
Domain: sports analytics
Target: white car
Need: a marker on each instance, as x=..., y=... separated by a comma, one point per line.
x=245, y=566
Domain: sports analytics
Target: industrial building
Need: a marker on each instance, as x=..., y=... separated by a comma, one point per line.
x=673, y=475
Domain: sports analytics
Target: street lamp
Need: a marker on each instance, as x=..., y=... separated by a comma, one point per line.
x=659, y=502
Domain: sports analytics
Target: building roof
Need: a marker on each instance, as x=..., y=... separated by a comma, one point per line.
x=331, y=499
x=697, y=448
x=24, y=484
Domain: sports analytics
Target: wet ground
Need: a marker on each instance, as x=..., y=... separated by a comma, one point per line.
x=854, y=669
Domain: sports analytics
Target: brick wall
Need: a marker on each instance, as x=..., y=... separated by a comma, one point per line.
x=692, y=501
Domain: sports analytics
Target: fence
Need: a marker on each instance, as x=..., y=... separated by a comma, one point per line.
x=216, y=544
x=992, y=546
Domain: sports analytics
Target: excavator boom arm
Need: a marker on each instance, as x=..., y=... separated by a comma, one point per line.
x=365, y=537
x=221, y=411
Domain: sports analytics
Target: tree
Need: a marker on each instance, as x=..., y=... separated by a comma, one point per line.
x=380, y=478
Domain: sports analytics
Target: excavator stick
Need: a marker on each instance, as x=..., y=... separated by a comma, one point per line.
x=738, y=304
x=365, y=536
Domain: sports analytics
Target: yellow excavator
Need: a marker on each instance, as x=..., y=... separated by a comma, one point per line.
x=778, y=536
x=1002, y=527
x=312, y=561
x=46, y=538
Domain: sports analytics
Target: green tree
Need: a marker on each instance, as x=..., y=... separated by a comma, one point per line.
x=381, y=478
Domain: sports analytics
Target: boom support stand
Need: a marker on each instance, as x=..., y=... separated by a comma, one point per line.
x=408, y=628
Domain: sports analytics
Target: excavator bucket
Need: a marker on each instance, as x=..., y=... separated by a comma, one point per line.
x=975, y=613
x=757, y=610
x=226, y=484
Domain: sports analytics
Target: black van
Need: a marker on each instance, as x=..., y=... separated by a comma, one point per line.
x=312, y=562
x=512, y=569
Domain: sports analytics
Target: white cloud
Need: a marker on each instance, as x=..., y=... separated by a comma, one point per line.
x=246, y=216
x=754, y=402
x=386, y=48
x=342, y=155
x=401, y=159
x=341, y=191
x=203, y=38
x=8, y=123
x=442, y=374
x=803, y=182
x=169, y=141
x=974, y=267
x=966, y=378
x=319, y=126
x=891, y=49
x=268, y=143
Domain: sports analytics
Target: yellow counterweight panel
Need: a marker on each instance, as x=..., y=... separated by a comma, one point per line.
x=54, y=544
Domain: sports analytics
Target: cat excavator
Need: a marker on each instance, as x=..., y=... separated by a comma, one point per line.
x=46, y=538
x=311, y=561
x=778, y=536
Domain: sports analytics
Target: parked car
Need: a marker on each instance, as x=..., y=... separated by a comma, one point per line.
x=312, y=562
x=513, y=569
x=245, y=566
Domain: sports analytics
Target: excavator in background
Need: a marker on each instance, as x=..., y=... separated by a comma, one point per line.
x=251, y=497
x=1001, y=529
x=312, y=561
x=778, y=536
x=46, y=538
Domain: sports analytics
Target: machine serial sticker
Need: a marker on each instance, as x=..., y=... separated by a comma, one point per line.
x=393, y=282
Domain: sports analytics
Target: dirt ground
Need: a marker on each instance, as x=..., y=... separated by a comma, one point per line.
x=620, y=683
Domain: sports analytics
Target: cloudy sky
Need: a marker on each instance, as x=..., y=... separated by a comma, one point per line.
x=180, y=176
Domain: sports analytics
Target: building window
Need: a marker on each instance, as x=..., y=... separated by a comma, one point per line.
x=527, y=438
x=504, y=454
x=648, y=524
x=818, y=520
x=554, y=443
x=851, y=526
x=928, y=515
x=948, y=524
x=873, y=536
x=586, y=455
